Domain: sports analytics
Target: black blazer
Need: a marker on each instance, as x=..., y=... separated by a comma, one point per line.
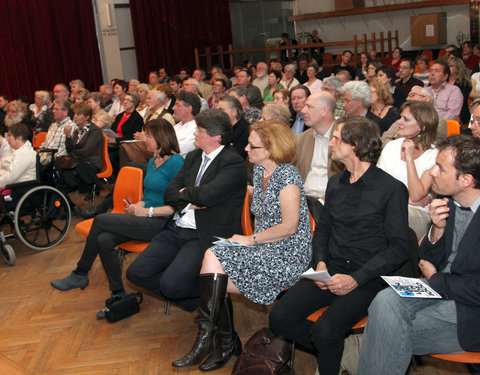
x=90, y=146
x=221, y=191
x=130, y=127
x=462, y=284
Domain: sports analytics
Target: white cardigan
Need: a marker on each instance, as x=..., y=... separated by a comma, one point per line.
x=18, y=165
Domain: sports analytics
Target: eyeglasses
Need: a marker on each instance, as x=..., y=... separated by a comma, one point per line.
x=474, y=120
x=412, y=94
x=252, y=147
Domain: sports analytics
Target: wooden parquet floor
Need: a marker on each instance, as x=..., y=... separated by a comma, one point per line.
x=45, y=331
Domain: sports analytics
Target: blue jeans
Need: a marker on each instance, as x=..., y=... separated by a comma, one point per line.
x=399, y=327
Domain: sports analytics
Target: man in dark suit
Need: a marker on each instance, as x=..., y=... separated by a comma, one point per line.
x=450, y=261
x=207, y=195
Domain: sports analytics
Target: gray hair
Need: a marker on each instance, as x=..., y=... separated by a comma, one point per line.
x=334, y=82
x=45, y=95
x=276, y=111
x=193, y=81
x=426, y=92
x=358, y=90
x=135, y=97
x=241, y=91
x=233, y=103
x=291, y=67
x=158, y=95
x=143, y=86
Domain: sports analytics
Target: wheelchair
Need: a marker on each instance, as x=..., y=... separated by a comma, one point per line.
x=37, y=212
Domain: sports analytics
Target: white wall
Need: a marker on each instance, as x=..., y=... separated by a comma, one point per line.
x=343, y=28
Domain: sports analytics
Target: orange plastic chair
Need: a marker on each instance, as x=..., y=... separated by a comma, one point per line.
x=468, y=357
x=107, y=169
x=129, y=184
x=317, y=314
x=428, y=53
x=39, y=139
x=453, y=127
x=441, y=53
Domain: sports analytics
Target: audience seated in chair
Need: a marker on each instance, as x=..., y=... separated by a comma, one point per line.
x=141, y=221
x=450, y=262
x=207, y=196
x=84, y=147
x=19, y=163
x=361, y=235
x=264, y=263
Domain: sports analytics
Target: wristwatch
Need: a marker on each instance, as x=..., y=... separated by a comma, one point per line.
x=150, y=212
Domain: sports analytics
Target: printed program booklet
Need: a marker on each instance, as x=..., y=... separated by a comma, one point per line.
x=411, y=287
x=316, y=276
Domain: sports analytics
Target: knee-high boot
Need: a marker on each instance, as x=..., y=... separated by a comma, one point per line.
x=226, y=342
x=212, y=290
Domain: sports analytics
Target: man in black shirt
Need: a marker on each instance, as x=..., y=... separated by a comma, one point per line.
x=344, y=65
x=362, y=234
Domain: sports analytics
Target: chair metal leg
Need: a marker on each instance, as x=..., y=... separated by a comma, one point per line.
x=292, y=356
x=166, y=308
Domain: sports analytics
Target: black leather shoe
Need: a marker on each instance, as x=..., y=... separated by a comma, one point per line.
x=86, y=214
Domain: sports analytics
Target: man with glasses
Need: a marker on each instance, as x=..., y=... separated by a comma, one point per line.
x=407, y=81
x=418, y=94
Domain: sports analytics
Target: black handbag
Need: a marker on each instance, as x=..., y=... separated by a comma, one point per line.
x=123, y=308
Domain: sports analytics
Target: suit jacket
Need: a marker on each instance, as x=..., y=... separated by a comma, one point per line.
x=130, y=127
x=90, y=146
x=305, y=148
x=221, y=191
x=462, y=284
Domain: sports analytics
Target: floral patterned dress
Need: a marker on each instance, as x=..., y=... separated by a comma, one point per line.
x=262, y=271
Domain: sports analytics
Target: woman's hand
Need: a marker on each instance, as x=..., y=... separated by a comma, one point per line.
x=243, y=240
x=408, y=147
x=139, y=136
x=67, y=129
x=136, y=209
x=111, y=140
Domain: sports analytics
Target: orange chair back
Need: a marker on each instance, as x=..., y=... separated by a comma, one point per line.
x=428, y=53
x=327, y=56
x=312, y=222
x=39, y=139
x=107, y=169
x=246, y=219
x=129, y=184
x=453, y=127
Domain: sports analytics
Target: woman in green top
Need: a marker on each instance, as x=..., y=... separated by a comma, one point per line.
x=274, y=77
x=141, y=221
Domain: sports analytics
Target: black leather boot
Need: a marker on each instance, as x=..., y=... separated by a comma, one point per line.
x=212, y=289
x=226, y=342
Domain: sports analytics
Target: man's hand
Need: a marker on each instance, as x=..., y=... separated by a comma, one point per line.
x=427, y=268
x=439, y=212
x=321, y=266
x=341, y=284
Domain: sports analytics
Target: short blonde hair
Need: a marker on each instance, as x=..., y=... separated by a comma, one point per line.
x=382, y=92
x=278, y=139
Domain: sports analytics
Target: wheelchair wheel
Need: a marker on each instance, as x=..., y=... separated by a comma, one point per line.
x=42, y=217
x=9, y=254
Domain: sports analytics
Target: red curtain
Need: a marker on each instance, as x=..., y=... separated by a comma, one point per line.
x=44, y=42
x=167, y=31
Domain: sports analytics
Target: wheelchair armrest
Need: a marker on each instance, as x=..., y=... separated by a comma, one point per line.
x=24, y=184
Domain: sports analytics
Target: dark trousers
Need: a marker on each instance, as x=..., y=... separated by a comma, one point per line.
x=109, y=230
x=170, y=266
x=325, y=337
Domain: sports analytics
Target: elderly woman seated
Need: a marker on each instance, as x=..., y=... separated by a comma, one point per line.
x=261, y=265
x=84, y=147
x=19, y=164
